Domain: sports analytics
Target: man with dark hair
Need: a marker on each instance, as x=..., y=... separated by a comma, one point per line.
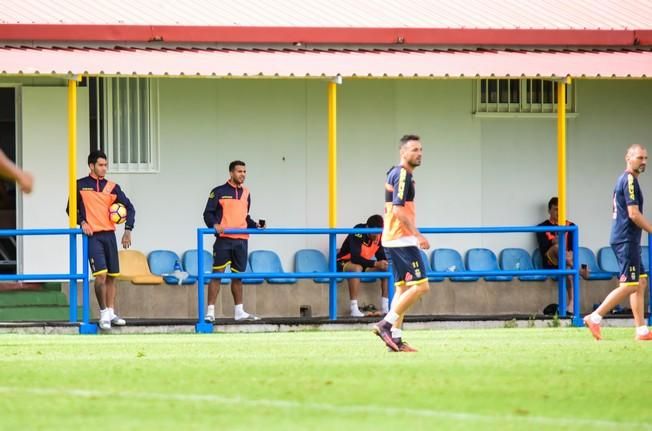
x=95, y=194
x=402, y=241
x=228, y=208
x=549, y=248
x=363, y=252
x=626, y=229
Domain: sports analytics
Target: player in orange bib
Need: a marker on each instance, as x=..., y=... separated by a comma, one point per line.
x=95, y=194
x=228, y=208
x=402, y=241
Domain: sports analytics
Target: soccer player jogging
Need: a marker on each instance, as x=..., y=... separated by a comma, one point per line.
x=402, y=241
x=627, y=226
x=95, y=194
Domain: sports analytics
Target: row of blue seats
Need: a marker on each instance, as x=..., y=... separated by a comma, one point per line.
x=605, y=267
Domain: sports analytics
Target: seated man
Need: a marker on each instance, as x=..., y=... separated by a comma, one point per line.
x=549, y=248
x=364, y=252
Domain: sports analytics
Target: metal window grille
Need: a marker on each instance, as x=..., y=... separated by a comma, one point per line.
x=520, y=96
x=125, y=122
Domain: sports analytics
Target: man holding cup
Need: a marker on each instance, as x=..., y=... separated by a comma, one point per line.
x=228, y=208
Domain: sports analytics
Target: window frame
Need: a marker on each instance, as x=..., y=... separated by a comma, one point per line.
x=102, y=99
x=525, y=107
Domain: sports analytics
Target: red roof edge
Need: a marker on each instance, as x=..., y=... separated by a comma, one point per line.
x=322, y=35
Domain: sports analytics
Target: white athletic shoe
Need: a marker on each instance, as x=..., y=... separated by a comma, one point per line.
x=355, y=312
x=209, y=317
x=118, y=321
x=247, y=318
x=105, y=320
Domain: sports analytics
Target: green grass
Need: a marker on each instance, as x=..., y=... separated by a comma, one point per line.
x=507, y=379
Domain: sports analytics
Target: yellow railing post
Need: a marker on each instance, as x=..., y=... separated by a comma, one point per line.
x=561, y=149
x=72, y=150
x=332, y=152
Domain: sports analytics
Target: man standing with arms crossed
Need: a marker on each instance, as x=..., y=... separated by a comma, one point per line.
x=402, y=241
x=628, y=223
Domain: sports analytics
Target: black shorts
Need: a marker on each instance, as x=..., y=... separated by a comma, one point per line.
x=407, y=265
x=103, y=253
x=230, y=251
x=629, y=262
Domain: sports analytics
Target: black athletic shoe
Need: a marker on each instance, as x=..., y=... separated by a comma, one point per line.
x=403, y=346
x=384, y=330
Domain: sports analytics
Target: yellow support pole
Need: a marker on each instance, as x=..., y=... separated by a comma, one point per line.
x=72, y=151
x=561, y=150
x=332, y=154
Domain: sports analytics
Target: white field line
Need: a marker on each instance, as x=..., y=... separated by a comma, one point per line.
x=368, y=409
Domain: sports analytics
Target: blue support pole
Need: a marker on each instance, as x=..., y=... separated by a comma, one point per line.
x=577, y=296
x=72, y=284
x=86, y=326
x=561, y=281
x=201, y=327
x=332, y=282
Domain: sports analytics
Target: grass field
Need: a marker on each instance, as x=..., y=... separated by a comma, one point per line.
x=507, y=379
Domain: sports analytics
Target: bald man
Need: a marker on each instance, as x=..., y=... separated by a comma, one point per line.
x=626, y=229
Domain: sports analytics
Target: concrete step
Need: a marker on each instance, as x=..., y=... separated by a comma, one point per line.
x=27, y=298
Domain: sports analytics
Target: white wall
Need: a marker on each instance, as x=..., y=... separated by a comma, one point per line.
x=475, y=171
x=45, y=154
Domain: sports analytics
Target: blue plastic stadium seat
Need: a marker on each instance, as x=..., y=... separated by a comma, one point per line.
x=190, y=263
x=251, y=280
x=595, y=273
x=537, y=259
x=517, y=259
x=162, y=262
x=426, y=261
x=449, y=260
x=311, y=260
x=483, y=259
x=268, y=261
x=607, y=260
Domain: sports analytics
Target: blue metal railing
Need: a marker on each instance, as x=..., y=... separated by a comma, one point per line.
x=72, y=276
x=333, y=275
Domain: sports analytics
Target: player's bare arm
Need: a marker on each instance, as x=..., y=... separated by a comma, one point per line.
x=638, y=218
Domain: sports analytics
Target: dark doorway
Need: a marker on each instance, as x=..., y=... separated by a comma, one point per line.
x=8, y=188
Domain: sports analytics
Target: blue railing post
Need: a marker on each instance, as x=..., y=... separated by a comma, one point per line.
x=561, y=280
x=332, y=281
x=86, y=326
x=72, y=284
x=577, y=296
x=201, y=327
x=649, y=283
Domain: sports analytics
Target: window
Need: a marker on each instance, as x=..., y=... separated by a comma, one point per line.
x=124, y=122
x=532, y=96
